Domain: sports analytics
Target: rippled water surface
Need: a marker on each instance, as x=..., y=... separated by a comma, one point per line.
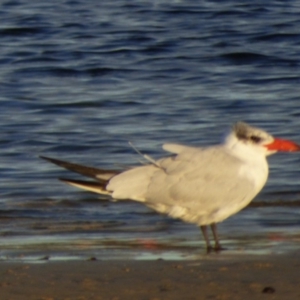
x=79, y=79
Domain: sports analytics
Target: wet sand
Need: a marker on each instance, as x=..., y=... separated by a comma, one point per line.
x=249, y=277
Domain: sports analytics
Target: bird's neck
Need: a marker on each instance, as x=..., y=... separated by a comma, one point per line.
x=245, y=152
x=254, y=165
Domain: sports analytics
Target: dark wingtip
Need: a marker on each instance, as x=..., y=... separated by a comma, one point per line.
x=92, y=186
x=99, y=174
x=47, y=158
x=58, y=162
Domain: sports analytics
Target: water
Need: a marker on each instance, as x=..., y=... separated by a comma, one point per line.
x=79, y=79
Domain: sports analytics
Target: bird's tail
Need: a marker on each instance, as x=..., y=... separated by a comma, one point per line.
x=102, y=176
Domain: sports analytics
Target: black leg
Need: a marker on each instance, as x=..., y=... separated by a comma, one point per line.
x=205, y=235
x=218, y=246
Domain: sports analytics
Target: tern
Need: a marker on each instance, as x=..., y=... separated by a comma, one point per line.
x=199, y=185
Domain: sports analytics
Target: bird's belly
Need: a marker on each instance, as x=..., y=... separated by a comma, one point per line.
x=205, y=213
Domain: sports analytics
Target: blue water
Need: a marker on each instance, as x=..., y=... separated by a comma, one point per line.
x=79, y=79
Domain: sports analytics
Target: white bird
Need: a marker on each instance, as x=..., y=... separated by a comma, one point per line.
x=203, y=185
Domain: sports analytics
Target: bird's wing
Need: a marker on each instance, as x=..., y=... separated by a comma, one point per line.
x=176, y=148
x=201, y=182
x=201, y=185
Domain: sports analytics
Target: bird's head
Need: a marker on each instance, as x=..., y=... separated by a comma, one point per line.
x=258, y=140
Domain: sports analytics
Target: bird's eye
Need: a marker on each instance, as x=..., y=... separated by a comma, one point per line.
x=255, y=139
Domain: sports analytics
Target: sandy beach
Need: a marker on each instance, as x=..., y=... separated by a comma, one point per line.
x=245, y=277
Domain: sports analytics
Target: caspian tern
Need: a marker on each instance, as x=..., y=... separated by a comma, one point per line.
x=203, y=185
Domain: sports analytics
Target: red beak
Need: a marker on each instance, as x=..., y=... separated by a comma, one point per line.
x=283, y=145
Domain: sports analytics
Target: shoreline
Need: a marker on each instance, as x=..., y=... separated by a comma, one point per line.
x=214, y=277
